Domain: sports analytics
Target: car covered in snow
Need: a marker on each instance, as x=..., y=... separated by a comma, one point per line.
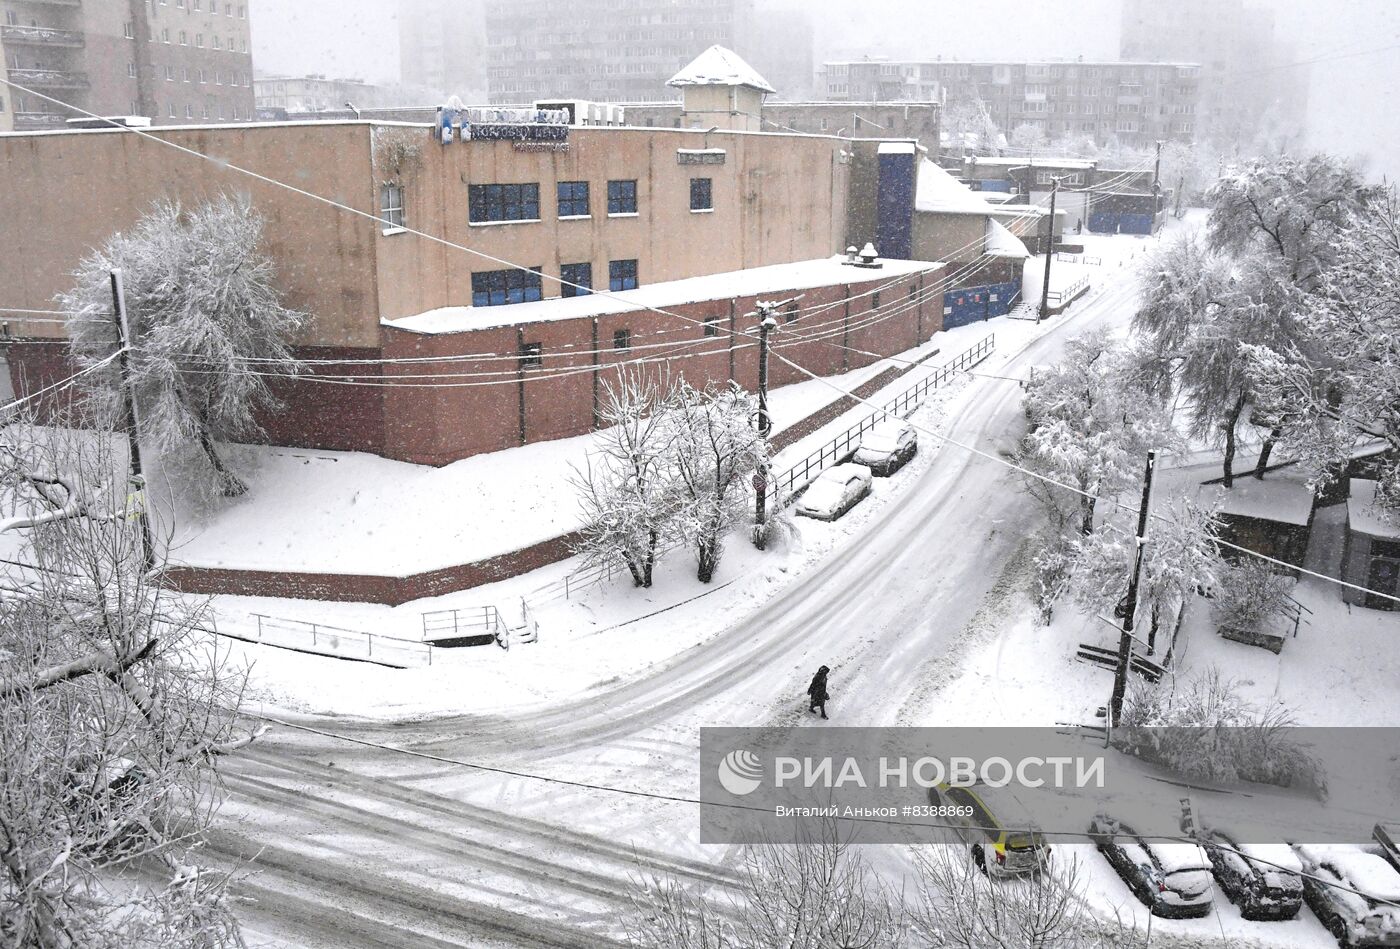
x=1171, y=879
x=834, y=492
x=1263, y=880
x=998, y=849
x=1353, y=893
x=887, y=447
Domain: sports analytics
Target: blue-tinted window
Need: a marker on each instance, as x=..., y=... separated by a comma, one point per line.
x=622, y=275
x=497, y=287
x=573, y=199
x=622, y=197
x=503, y=203
x=578, y=279
x=700, y=196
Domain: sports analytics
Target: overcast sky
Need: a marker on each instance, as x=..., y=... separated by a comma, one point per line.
x=1354, y=106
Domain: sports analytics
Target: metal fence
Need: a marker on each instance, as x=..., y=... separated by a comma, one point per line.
x=480, y=621
x=1067, y=295
x=844, y=445
x=796, y=477
x=332, y=641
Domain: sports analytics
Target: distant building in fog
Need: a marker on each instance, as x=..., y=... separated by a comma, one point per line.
x=175, y=64
x=316, y=94
x=1134, y=102
x=1243, y=86
x=601, y=49
x=442, y=47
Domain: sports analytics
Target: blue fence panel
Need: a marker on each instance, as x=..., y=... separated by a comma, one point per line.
x=1103, y=222
x=1135, y=223
x=970, y=305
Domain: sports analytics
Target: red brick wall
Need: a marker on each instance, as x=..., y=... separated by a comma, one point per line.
x=489, y=403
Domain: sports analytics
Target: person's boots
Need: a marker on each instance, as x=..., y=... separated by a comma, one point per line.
x=823, y=713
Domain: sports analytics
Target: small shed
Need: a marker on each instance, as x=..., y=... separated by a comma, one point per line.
x=1272, y=517
x=1372, y=557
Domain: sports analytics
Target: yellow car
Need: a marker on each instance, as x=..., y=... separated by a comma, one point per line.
x=997, y=850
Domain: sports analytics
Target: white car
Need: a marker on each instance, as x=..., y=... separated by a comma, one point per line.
x=887, y=447
x=835, y=492
x=1364, y=918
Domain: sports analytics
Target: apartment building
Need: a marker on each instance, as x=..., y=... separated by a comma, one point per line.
x=173, y=61
x=317, y=94
x=442, y=47
x=1135, y=102
x=1248, y=76
x=603, y=49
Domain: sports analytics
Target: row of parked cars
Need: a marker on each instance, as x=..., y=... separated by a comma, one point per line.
x=1353, y=891
x=883, y=450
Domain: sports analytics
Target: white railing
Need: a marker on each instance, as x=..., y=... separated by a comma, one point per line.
x=332, y=641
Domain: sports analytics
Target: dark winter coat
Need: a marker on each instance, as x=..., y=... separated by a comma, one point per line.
x=817, y=690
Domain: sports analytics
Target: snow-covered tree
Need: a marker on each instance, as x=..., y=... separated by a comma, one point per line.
x=716, y=450
x=1027, y=136
x=816, y=892
x=114, y=708
x=1091, y=425
x=1352, y=326
x=1092, y=422
x=968, y=122
x=1290, y=210
x=1179, y=556
x=627, y=490
x=1200, y=306
x=208, y=330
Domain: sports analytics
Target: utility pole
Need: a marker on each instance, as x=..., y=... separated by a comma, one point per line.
x=766, y=325
x=137, y=486
x=1157, y=171
x=1049, y=253
x=1128, y=608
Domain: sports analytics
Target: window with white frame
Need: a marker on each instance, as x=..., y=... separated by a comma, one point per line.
x=391, y=205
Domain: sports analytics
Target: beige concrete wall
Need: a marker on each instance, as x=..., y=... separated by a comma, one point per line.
x=954, y=238
x=728, y=107
x=67, y=192
x=776, y=199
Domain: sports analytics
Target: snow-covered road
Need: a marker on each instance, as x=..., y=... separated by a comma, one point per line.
x=361, y=847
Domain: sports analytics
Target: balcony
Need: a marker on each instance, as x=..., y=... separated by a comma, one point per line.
x=34, y=121
x=41, y=36
x=49, y=78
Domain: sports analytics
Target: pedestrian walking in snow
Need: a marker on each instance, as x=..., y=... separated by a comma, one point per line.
x=816, y=692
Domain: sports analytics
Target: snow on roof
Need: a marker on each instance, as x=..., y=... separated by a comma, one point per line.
x=1080, y=163
x=777, y=278
x=940, y=193
x=718, y=66
x=895, y=148
x=1280, y=498
x=1002, y=243
x=1174, y=858
x=1363, y=513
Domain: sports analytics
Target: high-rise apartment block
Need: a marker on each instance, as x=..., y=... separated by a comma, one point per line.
x=608, y=50
x=1135, y=102
x=173, y=61
x=1248, y=77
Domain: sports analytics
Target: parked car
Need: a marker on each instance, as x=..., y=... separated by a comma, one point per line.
x=1263, y=880
x=998, y=850
x=835, y=492
x=1362, y=918
x=1171, y=879
x=887, y=447
x=1387, y=835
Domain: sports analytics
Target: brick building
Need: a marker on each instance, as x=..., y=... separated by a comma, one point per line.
x=173, y=61
x=1134, y=102
x=642, y=212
